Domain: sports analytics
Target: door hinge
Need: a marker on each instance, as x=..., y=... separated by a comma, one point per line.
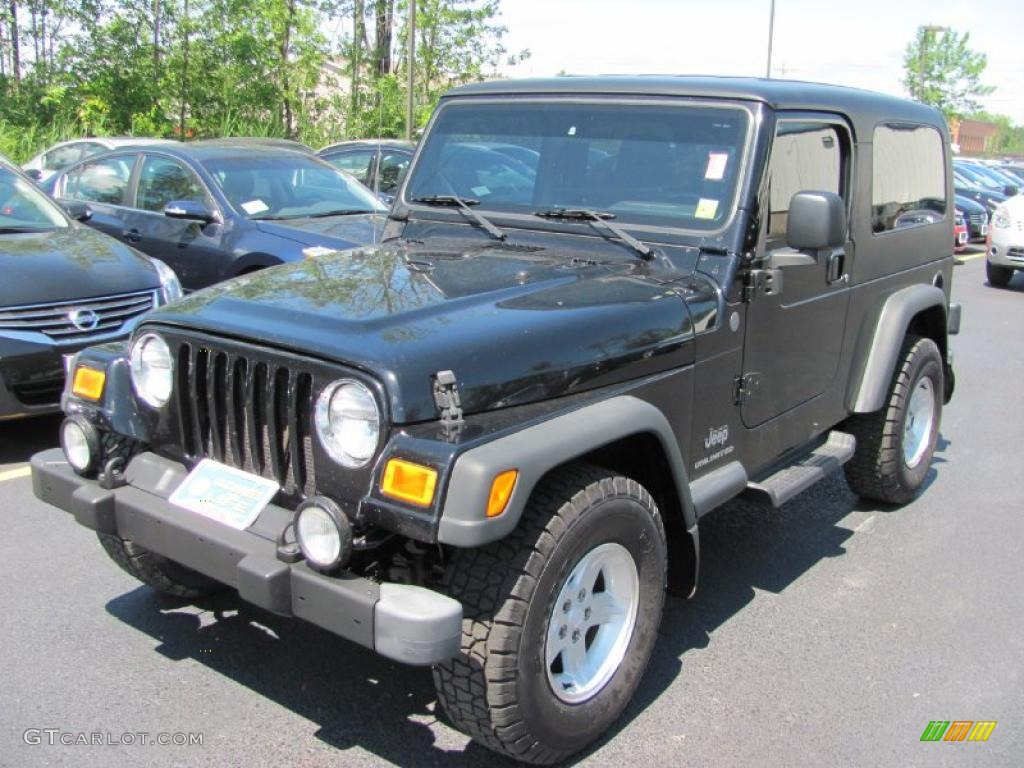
x=745, y=386
x=766, y=281
x=446, y=398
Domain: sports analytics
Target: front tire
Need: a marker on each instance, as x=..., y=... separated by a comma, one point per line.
x=161, y=574
x=560, y=617
x=895, y=445
x=998, y=277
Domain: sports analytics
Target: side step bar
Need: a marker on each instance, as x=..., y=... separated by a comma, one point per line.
x=784, y=484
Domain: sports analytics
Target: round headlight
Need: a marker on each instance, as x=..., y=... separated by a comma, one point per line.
x=81, y=444
x=323, y=533
x=348, y=422
x=152, y=369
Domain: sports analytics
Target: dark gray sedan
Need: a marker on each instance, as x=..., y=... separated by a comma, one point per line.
x=214, y=210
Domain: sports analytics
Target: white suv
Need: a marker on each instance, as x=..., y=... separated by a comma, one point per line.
x=1006, y=242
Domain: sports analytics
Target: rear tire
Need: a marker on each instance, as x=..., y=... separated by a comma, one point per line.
x=895, y=445
x=161, y=574
x=998, y=277
x=537, y=679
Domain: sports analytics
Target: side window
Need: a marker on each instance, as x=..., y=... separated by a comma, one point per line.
x=908, y=178
x=163, y=180
x=357, y=163
x=806, y=156
x=90, y=148
x=392, y=169
x=61, y=157
x=101, y=181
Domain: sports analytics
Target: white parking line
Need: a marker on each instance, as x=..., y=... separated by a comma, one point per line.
x=14, y=474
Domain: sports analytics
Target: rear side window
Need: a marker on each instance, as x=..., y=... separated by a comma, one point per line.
x=100, y=181
x=908, y=186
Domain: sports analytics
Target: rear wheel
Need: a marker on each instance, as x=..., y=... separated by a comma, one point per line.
x=998, y=277
x=559, y=618
x=161, y=574
x=895, y=445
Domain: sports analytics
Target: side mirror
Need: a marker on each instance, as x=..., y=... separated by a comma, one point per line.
x=34, y=173
x=1010, y=190
x=190, y=210
x=817, y=220
x=77, y=210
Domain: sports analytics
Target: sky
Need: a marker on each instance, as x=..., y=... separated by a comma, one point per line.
x=859, y=44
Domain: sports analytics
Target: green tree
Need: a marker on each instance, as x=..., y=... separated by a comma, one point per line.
x=941, y=70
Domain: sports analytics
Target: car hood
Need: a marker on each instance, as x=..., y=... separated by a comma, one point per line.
x=514, y=325
x=329, y=232
x=68, y=264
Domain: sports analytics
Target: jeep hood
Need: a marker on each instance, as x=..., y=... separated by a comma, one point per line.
x=515, y=325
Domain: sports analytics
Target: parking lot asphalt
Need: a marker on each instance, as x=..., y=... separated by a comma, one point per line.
x=829, y=632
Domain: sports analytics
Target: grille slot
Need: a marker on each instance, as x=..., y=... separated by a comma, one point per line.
x=249, y=414
x=109, y=313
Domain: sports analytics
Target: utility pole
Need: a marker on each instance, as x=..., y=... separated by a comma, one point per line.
x=926, y=30
x=771, y=34
x=410, y=64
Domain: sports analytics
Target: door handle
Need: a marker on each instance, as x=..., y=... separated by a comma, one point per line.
x=132, y=235
x=836, y=264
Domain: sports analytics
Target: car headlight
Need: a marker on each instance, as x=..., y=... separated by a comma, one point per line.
x=1001, y=219
x=152, y=369
x=348, y=422
x=170, y=286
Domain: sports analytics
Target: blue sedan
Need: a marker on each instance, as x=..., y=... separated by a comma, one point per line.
x=214, y=210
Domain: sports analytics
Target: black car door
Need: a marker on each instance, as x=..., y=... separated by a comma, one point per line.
x=191, y=248
x=103, y=184
x=794, y=337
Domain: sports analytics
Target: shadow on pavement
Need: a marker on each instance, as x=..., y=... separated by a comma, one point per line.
x=20, y=438
x=360, y=699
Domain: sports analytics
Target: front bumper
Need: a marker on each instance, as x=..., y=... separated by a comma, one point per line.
x=406, y=623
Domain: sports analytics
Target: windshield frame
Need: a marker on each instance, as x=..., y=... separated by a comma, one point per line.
x=744, y=148
x=41, y=198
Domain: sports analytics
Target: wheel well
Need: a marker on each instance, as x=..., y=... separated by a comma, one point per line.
x=642, y=458
x=930, y=323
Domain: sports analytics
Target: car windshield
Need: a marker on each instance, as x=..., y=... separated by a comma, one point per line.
x=642, y=164
x=23, y=208
x=261, y=185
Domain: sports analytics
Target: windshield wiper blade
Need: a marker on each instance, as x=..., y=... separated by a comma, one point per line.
x=339, y=212
x=599, y=219
x=463, y=203
x=12, y=230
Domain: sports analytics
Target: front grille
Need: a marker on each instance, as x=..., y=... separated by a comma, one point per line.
x=978, y=219
x=45, y=392
x=1017, y=254
x=94, y=316
x=252, y=414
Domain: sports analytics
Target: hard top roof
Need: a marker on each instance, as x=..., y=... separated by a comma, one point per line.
x=863, y=107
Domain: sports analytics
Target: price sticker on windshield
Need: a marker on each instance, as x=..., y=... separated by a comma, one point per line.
x=706, y=209
x=716, y=166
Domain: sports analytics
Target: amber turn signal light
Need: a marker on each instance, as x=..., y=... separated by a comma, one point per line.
x=88, y=383
x=409, y=482
x=501, y=492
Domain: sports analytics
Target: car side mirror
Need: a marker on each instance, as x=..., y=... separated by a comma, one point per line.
x=77, y=210
x=817, y=220
x=190, y=210
x=1010, y=190
x=34, y=173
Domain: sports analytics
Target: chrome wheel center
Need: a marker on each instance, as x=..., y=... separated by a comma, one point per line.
x=920, y=419
x=592, y=622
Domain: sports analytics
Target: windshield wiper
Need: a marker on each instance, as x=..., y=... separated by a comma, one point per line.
x=463, y=203
x=12, y=230
x=601, y=220
x=339, y=212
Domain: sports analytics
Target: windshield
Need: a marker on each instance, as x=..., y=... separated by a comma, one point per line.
x=656, y=164
x=288, y=186
x=25, y=208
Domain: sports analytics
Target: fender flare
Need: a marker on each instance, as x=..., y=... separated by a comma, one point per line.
x=536, y=450
x=883, y=346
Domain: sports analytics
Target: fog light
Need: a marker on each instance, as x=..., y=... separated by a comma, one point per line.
x=324, y=533
x=81, y=443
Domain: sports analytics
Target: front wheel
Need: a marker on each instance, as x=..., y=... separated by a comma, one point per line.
x=559, y=618
x=998, y=277
x=895, y=445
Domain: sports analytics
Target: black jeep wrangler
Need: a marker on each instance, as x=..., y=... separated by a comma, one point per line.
x=603, y=307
